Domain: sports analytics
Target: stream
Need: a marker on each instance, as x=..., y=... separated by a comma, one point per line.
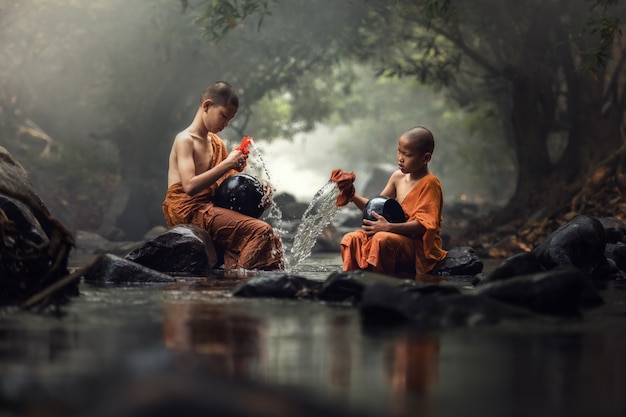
x=191, y=348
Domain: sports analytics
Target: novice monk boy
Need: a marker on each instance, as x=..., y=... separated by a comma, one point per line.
x=198, y=163
x=411, y=246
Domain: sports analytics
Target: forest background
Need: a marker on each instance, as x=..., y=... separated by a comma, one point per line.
x=525, y=97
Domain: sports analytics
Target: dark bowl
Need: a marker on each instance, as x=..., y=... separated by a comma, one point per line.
x=389, y=208
x=242, y=193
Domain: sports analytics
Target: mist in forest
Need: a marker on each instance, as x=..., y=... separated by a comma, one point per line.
x=115, y=81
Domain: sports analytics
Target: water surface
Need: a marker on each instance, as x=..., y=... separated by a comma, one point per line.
x=134, y=342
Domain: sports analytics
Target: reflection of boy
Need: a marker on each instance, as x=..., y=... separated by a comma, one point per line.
x=198, y=163
x=411, y=246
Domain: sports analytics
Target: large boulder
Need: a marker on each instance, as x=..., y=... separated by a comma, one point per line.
x=580, y=243
x=185, y=250
x=34, y=248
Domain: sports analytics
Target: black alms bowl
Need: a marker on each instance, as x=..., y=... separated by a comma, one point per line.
x=242, y=193
x=389, y=208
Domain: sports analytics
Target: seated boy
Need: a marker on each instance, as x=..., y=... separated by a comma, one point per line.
x=198, y=163
x=411, y=246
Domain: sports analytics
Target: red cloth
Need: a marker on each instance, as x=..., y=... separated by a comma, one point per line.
x=243, y=147
x=345, y=183
x=245, y=142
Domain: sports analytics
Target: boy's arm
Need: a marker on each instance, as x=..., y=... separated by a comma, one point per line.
x=388, y=191
x=359, y=201
x=192, y=183
x=411, y=228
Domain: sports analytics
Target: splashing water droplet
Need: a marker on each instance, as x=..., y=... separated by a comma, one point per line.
x=321, y=210
x=274, y=213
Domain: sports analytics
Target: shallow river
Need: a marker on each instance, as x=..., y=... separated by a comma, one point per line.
x=190, y=348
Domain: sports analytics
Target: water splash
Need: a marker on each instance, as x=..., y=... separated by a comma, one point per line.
x=320, y=212
x=274, y=213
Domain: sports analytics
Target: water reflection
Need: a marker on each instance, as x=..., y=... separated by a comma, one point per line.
x=194, y=329
x=230, y=342
x=303, y=344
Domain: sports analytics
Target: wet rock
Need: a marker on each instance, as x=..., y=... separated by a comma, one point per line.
x=520, y=264
x=350, y=286
x=277, y=286
x=34, y=247
x=112, y=269
x=185, y=250
x=25, y=231
x=615, y=229
x=15, y=178
x=461, y=260
x=617, y=253
x=384, y=304
x=561, y=291
x=580, y=243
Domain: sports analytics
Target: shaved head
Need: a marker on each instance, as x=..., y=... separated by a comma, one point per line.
x=222, y=94
x=421, y=139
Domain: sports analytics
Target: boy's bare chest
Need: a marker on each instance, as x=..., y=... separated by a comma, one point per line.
x=403, y=188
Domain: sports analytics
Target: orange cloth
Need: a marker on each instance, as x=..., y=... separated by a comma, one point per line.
x=344, y=181
x=248, y=243
x=387, y=253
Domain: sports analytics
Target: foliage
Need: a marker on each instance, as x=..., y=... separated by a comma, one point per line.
x=465, y=142
x=523, y=60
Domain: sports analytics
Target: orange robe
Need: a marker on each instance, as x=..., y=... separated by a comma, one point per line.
x=247, y=242
x=387, y=253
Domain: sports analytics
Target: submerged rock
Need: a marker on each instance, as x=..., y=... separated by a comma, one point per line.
x=277, y=285
x=182, y=250
x=108, y=268
x=350, y=286
x=383, y=304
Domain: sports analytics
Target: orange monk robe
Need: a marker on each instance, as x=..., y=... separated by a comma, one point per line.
x=248, y=243
x=388, y=253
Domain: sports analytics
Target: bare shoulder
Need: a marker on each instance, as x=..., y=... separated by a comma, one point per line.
x=391, y=189
x=183, y=138
x=396, y=177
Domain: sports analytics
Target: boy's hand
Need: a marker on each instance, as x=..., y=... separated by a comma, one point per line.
x=372, y=227
x=237, y=160
x=268, y=193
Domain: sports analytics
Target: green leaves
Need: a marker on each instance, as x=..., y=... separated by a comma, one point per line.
x=219, y=17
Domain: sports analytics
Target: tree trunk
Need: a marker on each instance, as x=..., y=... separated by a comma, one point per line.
x=534, y=166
